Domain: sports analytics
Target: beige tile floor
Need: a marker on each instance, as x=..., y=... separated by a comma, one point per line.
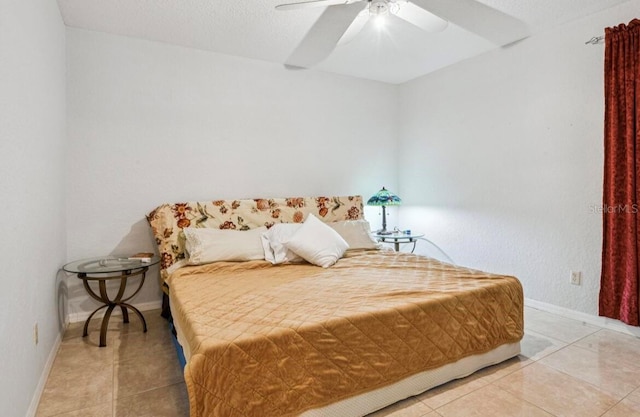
x=567, y=368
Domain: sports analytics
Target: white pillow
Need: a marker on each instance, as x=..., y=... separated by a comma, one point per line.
x=272, y=243
x=206, y=245
x=317, y=243
x=357, y=234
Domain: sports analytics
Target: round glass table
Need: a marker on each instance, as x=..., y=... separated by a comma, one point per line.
x=103, y=270
x=397, y=238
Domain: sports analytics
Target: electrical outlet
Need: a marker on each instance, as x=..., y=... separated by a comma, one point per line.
x=576, y=277
x=35, y=333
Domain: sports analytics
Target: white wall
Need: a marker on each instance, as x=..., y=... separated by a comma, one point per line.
x=501, y=160
x=150, y=123
x=32, y=136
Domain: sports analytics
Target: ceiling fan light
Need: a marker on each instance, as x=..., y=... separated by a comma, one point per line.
x=379, y=21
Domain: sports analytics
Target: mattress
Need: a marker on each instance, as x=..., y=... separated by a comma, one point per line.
x=264, y=340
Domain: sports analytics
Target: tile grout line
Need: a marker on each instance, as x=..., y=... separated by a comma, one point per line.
x=622, y=399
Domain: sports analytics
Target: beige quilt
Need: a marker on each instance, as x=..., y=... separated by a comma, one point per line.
x=269, y=340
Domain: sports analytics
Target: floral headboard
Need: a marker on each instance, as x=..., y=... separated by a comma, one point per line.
x=168, y=220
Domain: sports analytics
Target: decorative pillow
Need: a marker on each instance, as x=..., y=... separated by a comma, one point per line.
x=357, y=234
x=272, y=243
x=205, y=245
x=317, y=243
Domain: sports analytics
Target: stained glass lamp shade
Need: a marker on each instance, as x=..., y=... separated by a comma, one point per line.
x=384, y=198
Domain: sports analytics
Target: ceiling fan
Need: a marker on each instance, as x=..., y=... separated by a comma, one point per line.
x=342, y=20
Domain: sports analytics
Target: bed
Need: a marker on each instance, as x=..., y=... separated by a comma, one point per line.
x=270, y=335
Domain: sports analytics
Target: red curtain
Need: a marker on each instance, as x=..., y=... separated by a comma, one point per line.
x=620, y=278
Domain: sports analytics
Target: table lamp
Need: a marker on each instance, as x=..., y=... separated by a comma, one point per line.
x=384, y=198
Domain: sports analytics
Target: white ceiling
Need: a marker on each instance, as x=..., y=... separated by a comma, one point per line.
x=255, y=29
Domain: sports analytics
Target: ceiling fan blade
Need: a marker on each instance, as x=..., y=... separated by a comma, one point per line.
x=324, y=35
x=310, y=4
x=493, y=25
x=356, y=27
x=421, y=18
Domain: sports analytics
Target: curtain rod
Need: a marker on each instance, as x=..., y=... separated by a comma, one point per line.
x=595, y=40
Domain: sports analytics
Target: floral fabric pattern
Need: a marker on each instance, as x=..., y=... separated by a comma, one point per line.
x=168, y=220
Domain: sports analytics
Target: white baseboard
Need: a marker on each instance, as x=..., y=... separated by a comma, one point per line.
x=83, y=315
x=35, y=400
x=607, y=323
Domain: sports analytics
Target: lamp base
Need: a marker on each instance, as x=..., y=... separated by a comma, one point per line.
x=383, y=232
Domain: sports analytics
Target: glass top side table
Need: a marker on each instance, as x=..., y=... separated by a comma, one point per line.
x=110, y=268
x=398, y=238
